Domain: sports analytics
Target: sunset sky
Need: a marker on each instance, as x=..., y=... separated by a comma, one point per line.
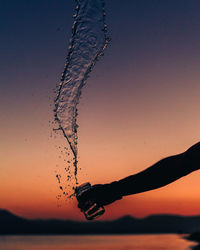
x=140, y=104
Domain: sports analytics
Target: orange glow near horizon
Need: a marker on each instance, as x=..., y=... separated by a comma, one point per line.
x=108, y=151
x=32, y=193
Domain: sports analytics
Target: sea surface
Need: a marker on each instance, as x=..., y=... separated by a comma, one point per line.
x=97, y=242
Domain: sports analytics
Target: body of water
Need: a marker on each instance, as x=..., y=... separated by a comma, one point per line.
x=95, y=242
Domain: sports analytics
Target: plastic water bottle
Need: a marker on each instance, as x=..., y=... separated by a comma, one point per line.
x=94, y=210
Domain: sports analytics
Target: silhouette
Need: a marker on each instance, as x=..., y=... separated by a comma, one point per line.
x=15, y=225
x=194, y=237
x=160, y=174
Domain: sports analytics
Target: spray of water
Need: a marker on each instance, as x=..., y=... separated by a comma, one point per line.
x=88, y=41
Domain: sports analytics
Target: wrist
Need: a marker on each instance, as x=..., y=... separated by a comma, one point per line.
x=114, y=190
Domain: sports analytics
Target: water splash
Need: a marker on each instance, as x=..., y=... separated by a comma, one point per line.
x=88, y=41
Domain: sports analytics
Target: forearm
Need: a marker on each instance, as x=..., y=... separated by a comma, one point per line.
x=156, y=176
x=161, y=173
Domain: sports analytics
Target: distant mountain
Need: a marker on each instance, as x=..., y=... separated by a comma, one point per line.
x=12, y=224
x=194, y=237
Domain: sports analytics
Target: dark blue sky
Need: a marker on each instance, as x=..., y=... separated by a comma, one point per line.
x=34, y=35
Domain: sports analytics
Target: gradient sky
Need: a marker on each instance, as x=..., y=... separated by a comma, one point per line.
x=141, y=103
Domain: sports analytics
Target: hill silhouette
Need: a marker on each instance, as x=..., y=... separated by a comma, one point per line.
x=12, y=224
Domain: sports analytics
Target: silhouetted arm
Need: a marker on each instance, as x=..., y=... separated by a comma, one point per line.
x=160, y=174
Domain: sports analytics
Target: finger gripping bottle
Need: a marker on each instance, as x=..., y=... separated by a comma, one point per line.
x=94, y=209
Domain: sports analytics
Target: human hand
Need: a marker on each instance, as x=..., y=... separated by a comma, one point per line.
x=100, y=194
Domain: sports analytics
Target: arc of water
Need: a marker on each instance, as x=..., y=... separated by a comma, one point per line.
x=88, y=41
